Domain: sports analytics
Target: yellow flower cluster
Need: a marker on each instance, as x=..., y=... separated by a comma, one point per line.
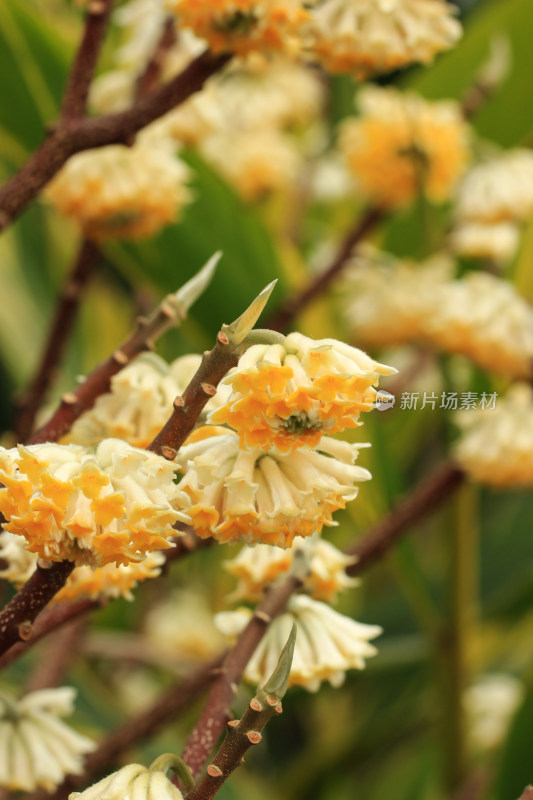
x=244, y=26
x=290, y=394
x=402, y=146
x=112, y=505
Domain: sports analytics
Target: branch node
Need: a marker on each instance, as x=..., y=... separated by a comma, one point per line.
x=262, y=616
x=44, y=563
x=213, y=771
x=25, y=630
x=169, y=453
x=179, y=402
x=255, y=705
x=254, y=737
x=222, y=338
x=120, y=357
x=208, y=389
x=69, y=398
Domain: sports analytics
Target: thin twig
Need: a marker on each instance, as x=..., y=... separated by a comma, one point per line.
x=77, y=90
x=146, y=724
x=62, y=324
x=420, y=502
x=75, y=403
x=152, y=71
x=16, y=619
x=295, y=305
x=50, y=621
x=214, y=366
x=216, y=711
x=84, y=134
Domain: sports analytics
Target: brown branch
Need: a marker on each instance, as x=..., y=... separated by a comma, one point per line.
x=146, y=724
x=62, y=649
x=75, y=403
x=81, y=75
x=16, y=619
x=422, y=500
x=240, y=736
x=50, y=621
x=216, y=711
x=187, y=408
x=84, y=134
x=294, y=305
x=152, y=71
x=62, y=324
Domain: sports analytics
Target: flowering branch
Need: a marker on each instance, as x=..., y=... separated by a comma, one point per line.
x=294, y=305
x=169, y=313
x=16, y=619
x=84, y=134
x=216, y=711
x=246, y=732
x=425, y=497
x=61, y=327
x=215, y=364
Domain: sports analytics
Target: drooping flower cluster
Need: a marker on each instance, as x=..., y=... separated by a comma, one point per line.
x=290, y=394
x=112, y=505
x=244, y=26
x=365, y=37
x=389, y=301
x=37, y=749
x=138, y=404
x=479, y=315
x=494, y=199
x=327, y=643
x=496, y=445
x=259, y=495
x=119, y=191
x=257, y=567
x=402, y=146
x=134, y=780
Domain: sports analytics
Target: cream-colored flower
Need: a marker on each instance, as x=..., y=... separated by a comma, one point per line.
x=18, y=562
x=245, y=26
x=496, y=444
x=37, y=749
x=388, y=301
x=482, y=316
x=114, y=504
x=494, y=240
x=327, y=643
x=256, y=567
x=365, y=37
x=254, y=163
x=110, y=581
x=120, y=191
x=401, y=146
x=499, y=190
x=270, y=497
x=132, y=781
x=490, y=704
x=138, y=405
x=288, y=395
x=181, y=629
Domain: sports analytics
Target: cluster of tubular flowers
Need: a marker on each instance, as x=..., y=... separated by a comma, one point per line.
x=138, y=404
x=131, y=781
x=494, y=198
x=113, y=504
x=389, y=301
x=37, y=749
x=258, y=495
x=401, y=146
x=181, y=630
x=119, y=191
x=245, y=26
x=365, y=37
x=483, y=317
x=496, y=445
x=290, y=394
x=109, y=581
x=327, y=643
x=258, y=566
